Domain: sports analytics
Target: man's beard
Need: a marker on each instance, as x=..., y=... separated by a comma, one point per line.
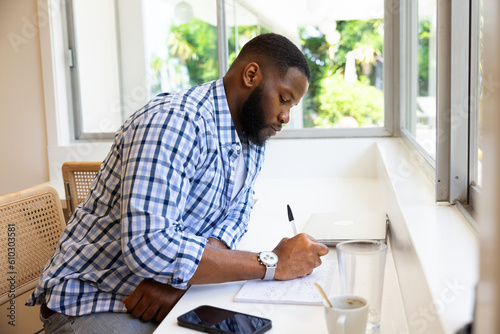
x=252, y=118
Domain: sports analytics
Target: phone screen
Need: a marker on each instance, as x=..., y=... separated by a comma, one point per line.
x=216, y=320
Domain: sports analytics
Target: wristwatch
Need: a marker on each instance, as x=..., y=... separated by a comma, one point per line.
x=270, y=260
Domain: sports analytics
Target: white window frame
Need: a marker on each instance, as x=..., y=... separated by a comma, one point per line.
x=474, y=189
x=408, y=45
x=453, y=169
x=61, y=9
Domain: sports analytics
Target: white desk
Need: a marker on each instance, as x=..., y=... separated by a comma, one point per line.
x=268, y=225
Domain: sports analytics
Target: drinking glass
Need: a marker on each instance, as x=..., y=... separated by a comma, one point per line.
x=362, y=268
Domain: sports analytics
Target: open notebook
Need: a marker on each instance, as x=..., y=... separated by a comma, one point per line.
x=333, y=227
x=301, y=291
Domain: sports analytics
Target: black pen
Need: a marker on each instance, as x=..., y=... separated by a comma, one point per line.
x=290, y=218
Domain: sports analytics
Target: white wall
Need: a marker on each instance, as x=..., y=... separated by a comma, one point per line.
x=23, y=137
x=488, y=301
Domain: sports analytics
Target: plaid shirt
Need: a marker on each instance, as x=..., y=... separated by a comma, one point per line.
x=163, y=189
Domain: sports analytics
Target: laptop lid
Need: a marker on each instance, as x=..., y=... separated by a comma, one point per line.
x=333, y=227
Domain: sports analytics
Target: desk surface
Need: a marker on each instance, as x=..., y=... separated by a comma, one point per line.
x=265, y=217
x=286, y=318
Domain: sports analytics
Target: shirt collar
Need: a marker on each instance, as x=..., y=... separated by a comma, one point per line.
x=223, y=120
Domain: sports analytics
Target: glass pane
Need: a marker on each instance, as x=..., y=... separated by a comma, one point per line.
x=181, y=43
x=425, y=81
x=344, y=47
x=479, y=178
x=243, y=25
x=98, y=63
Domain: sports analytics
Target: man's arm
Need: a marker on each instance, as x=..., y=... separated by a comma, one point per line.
x=154, y=300
x=298, y=257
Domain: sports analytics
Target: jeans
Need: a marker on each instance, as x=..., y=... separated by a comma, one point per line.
x=98, y=323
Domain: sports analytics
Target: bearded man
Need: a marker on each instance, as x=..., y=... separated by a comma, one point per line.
x=173, y=198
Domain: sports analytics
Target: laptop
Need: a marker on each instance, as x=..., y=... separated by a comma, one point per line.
x=333, y=227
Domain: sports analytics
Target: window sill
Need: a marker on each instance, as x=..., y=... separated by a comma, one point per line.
x=432, y=236
x=435, y=249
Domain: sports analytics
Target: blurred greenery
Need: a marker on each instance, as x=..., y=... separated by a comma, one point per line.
x=193, y=59
x=424, y=28
x=338, y=98
x=330, y=97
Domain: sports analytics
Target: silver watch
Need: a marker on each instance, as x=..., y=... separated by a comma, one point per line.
x=270, y=260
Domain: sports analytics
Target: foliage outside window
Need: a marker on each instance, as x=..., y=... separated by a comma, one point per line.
x=181, y=50
x=346, y=85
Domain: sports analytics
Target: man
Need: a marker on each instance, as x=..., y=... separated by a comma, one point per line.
x=173, y=198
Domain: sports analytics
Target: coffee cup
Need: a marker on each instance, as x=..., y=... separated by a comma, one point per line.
x=348, y=314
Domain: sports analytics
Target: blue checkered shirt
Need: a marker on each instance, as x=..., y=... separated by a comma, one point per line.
x=163, y=189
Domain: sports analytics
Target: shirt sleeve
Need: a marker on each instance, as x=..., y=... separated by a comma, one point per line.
x=159, y=157
x=232, y=229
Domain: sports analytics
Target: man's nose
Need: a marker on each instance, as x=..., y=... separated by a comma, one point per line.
x=284, y=117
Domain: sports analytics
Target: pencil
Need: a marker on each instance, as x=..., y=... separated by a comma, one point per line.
x=323, y=294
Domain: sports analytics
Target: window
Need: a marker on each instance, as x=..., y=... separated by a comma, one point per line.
x=428, y=58
x=132, y=51
x=478, y=92
x=442, y=88
x=419, y=76
x=423, y=124
x=94, y=52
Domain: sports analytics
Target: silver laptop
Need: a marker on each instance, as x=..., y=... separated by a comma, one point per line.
x=333, y=227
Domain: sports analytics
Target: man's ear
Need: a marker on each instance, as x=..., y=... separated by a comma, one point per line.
x=252, y=75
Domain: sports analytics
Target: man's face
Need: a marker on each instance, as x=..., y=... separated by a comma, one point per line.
x=268, y=106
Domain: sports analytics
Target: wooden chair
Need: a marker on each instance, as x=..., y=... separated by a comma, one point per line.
x=31, y=222
x=78, y=176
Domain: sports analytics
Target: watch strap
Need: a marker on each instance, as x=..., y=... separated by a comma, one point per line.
x=269, y=273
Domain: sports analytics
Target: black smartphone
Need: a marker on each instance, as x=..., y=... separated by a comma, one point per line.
x=210, y=319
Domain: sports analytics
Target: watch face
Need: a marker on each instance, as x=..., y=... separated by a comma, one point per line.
x=269, y=258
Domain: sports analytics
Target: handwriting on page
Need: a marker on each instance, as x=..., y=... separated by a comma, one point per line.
x=297, y=291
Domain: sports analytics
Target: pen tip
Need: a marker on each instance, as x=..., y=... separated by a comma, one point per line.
x=290, y=214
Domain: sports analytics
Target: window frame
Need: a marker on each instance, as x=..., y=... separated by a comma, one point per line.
x=454, y=168
x=63, y=147
x=474, y=188
x=408, y=30
x=223, y=53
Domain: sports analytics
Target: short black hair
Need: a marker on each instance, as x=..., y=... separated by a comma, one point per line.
x=279, y=52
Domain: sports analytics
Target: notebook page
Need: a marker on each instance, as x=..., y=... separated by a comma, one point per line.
x=296, y=291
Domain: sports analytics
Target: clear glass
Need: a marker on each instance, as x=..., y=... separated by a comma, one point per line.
x=343, y=45
x=243, y=25
x=344, y=49
x=98, y=64
x=479, y=176
x=362, y=271
x=181, y=43
x=425, y=81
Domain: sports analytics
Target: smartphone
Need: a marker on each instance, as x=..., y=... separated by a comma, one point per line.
x=210, y=319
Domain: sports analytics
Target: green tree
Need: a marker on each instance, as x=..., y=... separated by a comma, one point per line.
x=194, y=44
x=337, y=98
x=424, y=28
x=330, y=98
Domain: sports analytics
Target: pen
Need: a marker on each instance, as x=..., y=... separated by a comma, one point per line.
x=290, y=218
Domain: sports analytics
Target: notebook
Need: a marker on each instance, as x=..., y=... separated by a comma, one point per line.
x=333, y=227
x=301, y=291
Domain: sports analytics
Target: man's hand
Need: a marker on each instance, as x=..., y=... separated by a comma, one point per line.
x=298, y=256
x=152, y=300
